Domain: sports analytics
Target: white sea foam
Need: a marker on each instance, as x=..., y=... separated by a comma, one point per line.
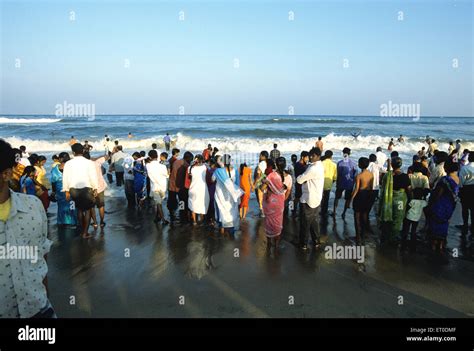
x=6, y=120
x=364, y=144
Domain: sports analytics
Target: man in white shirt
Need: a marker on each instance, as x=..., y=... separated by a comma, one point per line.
x=158, y=174
x=375, y=170
x=80, y=183
x=312, y=181
x=23, y=226
x=117, y=164
x=381, y=159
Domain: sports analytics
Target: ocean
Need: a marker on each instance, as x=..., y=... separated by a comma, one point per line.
x=237, y=135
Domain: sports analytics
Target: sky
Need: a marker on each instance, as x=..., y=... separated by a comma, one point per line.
x=237, y=57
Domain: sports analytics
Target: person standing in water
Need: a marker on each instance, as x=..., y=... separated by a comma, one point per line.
x=198, y=200
x=441, y=206
x=80, y=183
x=158, y=174
x=67, y=214
x=361, y=199
x=312, y=181
x=346, y=171
x=246, y=184
x=227, y=195
x=259, y=175
x=100, y=196
x=319, y=143
x=206, y=154
x=330, y=177
x=300, y=168
x=432, y=148
x=275, y=153
x=167, y=141
x=274, y=189
x=391, y=144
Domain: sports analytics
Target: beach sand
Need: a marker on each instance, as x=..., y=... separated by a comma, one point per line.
x=186, y=271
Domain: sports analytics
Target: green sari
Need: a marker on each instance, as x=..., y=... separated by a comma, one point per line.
x=392, y=207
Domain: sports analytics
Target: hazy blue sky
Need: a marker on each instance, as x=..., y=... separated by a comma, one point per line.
x=282, y=63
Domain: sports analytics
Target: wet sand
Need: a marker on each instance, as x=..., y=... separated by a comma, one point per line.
x=167, y=263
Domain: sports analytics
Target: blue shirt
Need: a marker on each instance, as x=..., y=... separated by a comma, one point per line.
x=28, y=183
x=346, y=172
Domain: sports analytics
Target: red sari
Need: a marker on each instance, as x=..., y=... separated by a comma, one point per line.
x=274, y=205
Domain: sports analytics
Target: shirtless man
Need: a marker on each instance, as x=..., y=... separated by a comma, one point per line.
x=391, y=144
x=362, y=198
x=319, y=143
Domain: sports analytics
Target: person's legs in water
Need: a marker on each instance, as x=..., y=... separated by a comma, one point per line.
x=102, y=216
x=314, y=226
x=405, y=230
x=86, y=219
x=79, y=219
x=94, y=218
x=325, y=202
x=338, y=194
x=346, y=203
x=358, y=226
x=260, y=202
x=414, y=225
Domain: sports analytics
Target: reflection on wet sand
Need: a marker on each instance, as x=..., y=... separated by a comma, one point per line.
x=238, y=277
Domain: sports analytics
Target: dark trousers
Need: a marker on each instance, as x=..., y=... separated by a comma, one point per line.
x=110, y=178
x=130, y=192
x=409, y=227
x=172, y=202
x=183, y=197
x=167, y=146
x=119, y=178
x=309, y=223
x=467, y=205
x=148, y=186
x=325, y=202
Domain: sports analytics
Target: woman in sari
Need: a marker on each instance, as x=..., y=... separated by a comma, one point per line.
x=139, y=178
x=396, y=187
x=274, y=202
x=441, y=206
x=227, y=195
x=246, y=184
x=67, y=214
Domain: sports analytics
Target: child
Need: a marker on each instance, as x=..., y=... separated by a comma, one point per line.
x=27, y=183
x=415, y=209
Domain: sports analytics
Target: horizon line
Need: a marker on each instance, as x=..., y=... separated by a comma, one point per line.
x=235, y=114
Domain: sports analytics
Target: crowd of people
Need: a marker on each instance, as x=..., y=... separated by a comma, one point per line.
x=208, y=189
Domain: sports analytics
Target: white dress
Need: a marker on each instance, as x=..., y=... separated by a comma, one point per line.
x=198, y=200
